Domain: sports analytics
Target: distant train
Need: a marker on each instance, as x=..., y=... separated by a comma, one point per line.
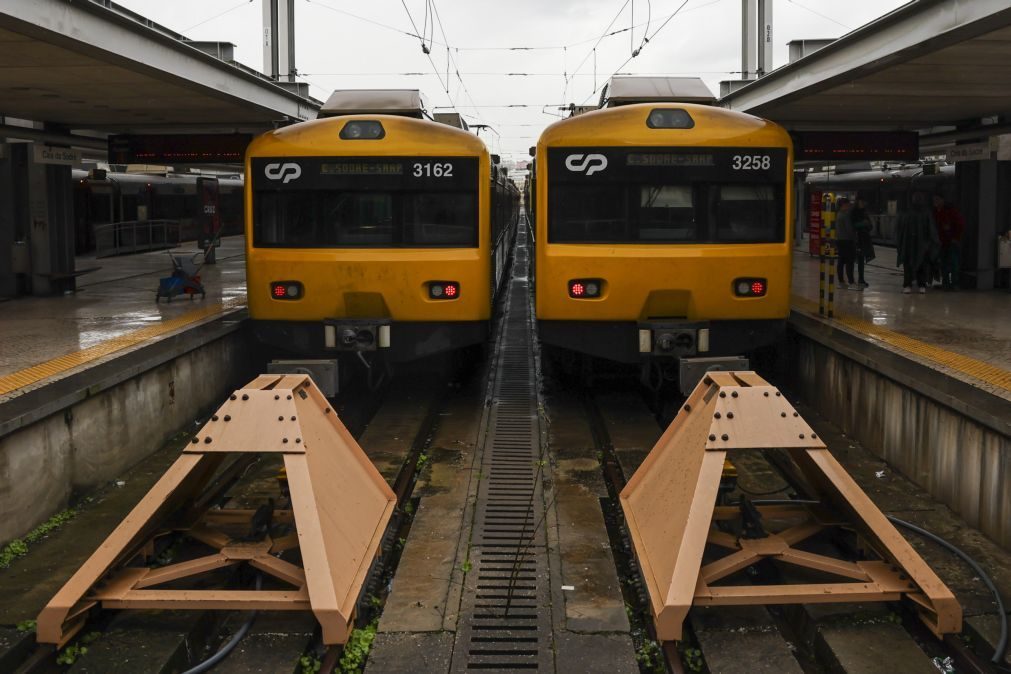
x=663, y=237
x=374, y=238
x=102, y=197
x=888, y=191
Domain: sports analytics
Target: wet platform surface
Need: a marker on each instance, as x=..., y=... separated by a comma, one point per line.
x=113, y=309
x=968, y=331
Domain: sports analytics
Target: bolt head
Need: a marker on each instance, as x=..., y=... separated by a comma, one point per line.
x=725, y=436
x=712, y=437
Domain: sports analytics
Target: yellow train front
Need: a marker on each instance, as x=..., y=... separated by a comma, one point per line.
x=379, y=237
x=663, y=237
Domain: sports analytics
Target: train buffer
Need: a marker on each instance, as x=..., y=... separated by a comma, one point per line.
x=688, y=547
x=338, y=512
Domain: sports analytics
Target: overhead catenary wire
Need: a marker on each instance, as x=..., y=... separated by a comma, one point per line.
x=217, y=16
x=646, y=40
x=817, y=13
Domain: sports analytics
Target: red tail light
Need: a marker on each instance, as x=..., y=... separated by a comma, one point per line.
x=750, y=287
x=286, y=290
x=443, y=290
x=586, y=288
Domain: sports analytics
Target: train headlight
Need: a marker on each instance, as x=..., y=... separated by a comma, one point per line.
x=443, y=290
x=750, y=287
x=586, y=288
x=362, y=130
x=669, y=118
x=286, y=290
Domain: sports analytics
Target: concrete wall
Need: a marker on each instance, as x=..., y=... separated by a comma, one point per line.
x=95, y=439
x=951, y=450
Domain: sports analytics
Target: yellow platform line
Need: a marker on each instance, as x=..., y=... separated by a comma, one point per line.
x=985, y=372
x=50, y=368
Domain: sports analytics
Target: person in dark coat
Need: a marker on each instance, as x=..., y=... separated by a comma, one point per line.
x=865, y=248
x=846, y=241
x=916, y=244
x=950, y=227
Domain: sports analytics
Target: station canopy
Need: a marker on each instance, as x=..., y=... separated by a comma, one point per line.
x=928, y=63
x=95, y=65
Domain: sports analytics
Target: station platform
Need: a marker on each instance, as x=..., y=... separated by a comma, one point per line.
x=964, y=334
x=112, y=311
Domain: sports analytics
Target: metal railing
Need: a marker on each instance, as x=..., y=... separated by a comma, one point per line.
x=135, y=236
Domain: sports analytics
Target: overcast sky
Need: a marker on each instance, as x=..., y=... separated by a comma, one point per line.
x=358, y=44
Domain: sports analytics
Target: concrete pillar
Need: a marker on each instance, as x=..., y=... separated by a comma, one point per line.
x=13, y=215
x=8, y=286
x=749, y=39
x=983, y=194
x=51, y=228
x=764, y=37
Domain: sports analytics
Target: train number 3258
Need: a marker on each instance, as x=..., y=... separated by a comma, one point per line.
x=748, y=162
x=433, y=170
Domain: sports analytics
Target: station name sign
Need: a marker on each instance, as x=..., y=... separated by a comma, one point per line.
x=63, y=156
x=856, y=145
x=201, y=148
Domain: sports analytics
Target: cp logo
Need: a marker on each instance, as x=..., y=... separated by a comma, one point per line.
x=284, y=172
x=588, y=163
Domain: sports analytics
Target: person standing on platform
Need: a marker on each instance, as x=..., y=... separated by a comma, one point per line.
x=950, y=227
x=916, y=244
x=846, y=242
x=865, y=248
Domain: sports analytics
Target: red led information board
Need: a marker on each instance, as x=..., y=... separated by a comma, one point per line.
x=856, y=145
x=203, y=148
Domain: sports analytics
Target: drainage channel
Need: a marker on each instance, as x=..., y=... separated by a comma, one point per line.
x=505, y=619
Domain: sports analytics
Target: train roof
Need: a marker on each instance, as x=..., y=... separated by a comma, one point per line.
x=627, y=126
x=402, y=135
x=628, y=89
x=407, y=102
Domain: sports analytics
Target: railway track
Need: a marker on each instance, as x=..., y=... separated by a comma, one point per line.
x=544, y=578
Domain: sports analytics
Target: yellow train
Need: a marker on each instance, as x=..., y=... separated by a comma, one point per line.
x=379, y=237
x=663, y=237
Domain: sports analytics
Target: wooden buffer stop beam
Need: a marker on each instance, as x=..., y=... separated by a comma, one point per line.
x=688, y=547
x=339, y=509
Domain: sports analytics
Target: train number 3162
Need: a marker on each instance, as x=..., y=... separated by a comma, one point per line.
x=433, y=170
x=748, y=162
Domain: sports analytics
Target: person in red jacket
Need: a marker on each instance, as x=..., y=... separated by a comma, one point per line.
x=950, y=227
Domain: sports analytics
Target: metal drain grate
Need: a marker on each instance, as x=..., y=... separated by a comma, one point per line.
x=505, y=622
